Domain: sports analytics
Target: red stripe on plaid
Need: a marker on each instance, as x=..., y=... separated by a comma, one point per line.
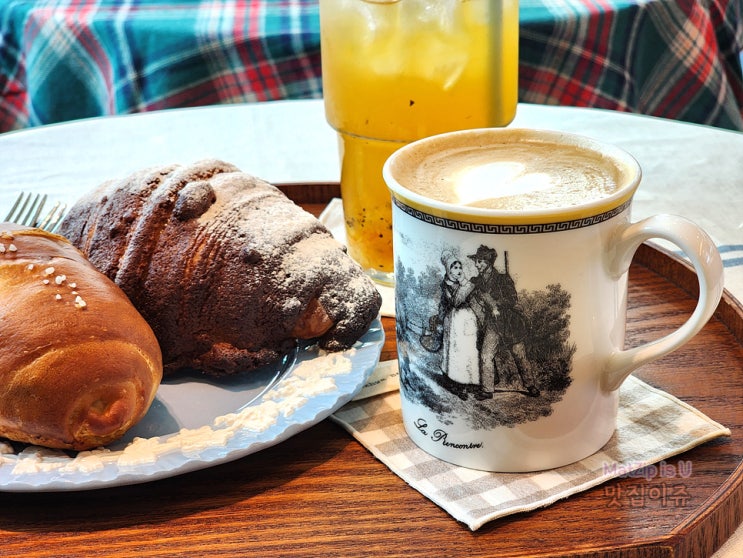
x=80, y=24
x=731, y=32
x=77, y=18
x=254, y=10
x=587, y=45
x=596, y=47
x=257, y=73
x=699, y=61
x=14, y=106
x=597, y=6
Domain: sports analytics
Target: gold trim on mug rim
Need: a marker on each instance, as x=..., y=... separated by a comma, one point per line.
x=520, y=226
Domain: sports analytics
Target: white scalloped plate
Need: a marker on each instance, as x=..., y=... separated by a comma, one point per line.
x=196, y=422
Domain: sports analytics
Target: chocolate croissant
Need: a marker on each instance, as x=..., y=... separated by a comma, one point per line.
x=79, y=365
x=227, y=270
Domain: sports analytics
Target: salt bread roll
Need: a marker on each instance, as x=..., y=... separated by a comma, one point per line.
x=79, y=365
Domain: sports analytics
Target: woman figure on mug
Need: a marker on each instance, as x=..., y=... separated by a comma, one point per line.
x=459, y=358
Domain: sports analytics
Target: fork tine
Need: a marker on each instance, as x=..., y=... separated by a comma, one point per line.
x=32, y=217
x=23, y=200
x=29, y=216
x=15, y=205
x=53, y=218
x=23, y=215
x=27, y=210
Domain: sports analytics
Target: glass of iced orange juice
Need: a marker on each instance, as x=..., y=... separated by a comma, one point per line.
x=398, y=70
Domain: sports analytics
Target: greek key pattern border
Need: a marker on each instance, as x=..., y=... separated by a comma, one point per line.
x=511, y=229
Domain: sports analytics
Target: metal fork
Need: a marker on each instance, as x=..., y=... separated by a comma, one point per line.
x=27, y=211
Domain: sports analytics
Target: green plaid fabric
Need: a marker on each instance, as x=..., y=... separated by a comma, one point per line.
x=67, y=59
x=677, y=59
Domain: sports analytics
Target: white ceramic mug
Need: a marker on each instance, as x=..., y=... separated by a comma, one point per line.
x=511, y=321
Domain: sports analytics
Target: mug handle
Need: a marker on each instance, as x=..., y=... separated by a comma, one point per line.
x=705, y=258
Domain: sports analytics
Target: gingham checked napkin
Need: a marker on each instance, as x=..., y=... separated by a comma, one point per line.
x=652, y=426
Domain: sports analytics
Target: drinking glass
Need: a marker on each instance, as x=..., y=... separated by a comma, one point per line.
x=399, y=70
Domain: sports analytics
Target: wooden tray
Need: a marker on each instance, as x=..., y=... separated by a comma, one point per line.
x=693, y=502
x=321, y=493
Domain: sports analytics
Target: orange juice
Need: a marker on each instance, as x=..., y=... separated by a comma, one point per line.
x=399, y=70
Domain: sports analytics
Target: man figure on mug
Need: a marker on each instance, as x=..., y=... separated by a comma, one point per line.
x=493, y=300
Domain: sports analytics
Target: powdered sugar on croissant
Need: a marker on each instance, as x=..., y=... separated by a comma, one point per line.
x=226, y=269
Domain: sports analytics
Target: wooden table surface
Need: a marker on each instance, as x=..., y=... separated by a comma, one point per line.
x=322, y=494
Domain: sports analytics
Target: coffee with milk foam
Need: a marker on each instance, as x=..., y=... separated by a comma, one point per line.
x=517, y=173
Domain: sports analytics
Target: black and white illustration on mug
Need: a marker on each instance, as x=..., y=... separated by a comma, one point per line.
x=504, y=354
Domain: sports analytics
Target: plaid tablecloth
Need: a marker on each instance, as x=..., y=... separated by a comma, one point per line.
x=67, y=59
